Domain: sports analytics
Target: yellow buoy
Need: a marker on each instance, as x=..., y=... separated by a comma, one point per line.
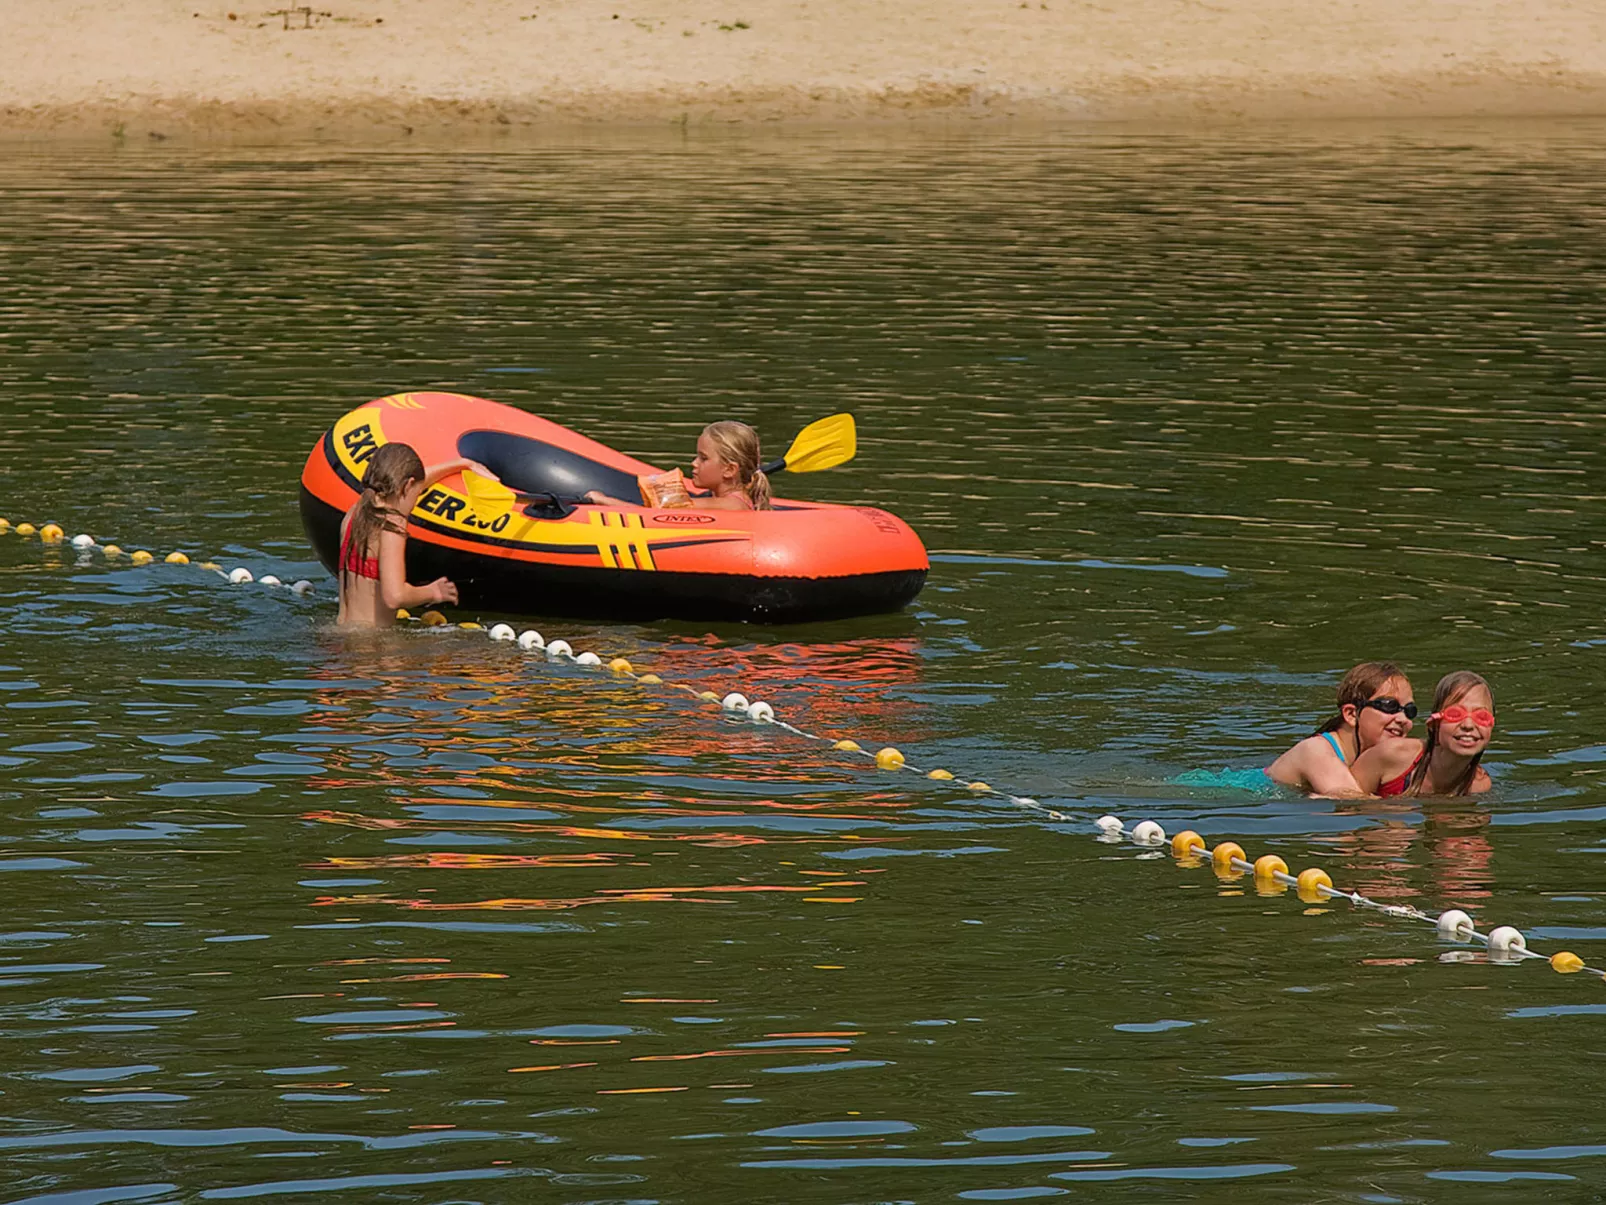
x=1310, y=882
x=978, y=785
x=50, y=533
x=651, y=680
x=940, y=775
x=889, y=759
x=142, y=557
x=432, y=619
x=403, y=613
x=177, y=558
x=708, y=696
x=1222, y=855
x=212, y=565
x=1566, y=962
x=619, y=665
x=1187, y=844
x=471, y=626
x=26, y=529
x=111, y=550
x=848, y=746
x=5, y=524
x=1268, y=867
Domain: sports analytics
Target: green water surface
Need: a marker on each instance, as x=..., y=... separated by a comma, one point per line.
x=1190, y=423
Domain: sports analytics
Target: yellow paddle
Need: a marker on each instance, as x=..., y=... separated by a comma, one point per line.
x=823, y=444
x=490, y=499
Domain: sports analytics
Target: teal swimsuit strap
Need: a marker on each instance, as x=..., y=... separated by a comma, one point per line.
x=1337, y=748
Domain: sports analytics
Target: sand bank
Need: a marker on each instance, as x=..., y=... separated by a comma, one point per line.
x=91, y=67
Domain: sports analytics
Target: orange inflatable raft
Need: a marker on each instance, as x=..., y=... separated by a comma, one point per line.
x=800, y=561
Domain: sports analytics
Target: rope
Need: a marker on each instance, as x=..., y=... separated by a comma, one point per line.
x=1313, y=885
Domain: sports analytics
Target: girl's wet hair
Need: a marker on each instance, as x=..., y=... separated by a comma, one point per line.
x=737, y=444
x=1357, y=686
x=389, y=470
x=1451, y=687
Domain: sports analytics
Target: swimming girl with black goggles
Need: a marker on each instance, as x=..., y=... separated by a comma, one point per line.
x=1389, y=706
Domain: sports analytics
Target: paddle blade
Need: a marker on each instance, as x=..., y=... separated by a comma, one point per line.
x=823, y=444
x=490, y=499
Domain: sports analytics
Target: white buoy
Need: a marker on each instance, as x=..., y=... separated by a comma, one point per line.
x=302, y=587
x=588, y=659
x=531, y=640
x=761, y=712
x=559, y=648
x=83, y=541
x=1454, y=923
x=503, y=632
x=1148, y=833
x=267, y=579
x=1506, y=939
x=1108, y=825
x=239, y=577
x=734, y=702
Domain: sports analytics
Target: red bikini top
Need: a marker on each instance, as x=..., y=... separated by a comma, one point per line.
x=350, y=562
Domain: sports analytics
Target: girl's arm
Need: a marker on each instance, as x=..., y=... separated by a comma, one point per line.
x=394, y=590
x=1384, y=761
x=598, y=498
x=1312, y=766
x=436, y=473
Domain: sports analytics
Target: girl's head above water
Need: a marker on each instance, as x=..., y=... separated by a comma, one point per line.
x=1375, y=699
x=389, y=471
x=727, y=460
x=1462, y=724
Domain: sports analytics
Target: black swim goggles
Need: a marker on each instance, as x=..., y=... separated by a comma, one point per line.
x=1390, y=706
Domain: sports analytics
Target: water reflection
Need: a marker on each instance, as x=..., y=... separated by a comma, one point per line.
x=1191, y=422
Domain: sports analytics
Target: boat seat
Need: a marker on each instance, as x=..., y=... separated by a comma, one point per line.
x=533, y=466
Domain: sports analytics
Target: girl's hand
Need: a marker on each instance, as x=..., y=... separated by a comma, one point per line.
x=441, y=590
x=475, y=466
x=596, y=497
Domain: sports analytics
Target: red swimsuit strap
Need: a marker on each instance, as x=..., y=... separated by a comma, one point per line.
x=362, y=566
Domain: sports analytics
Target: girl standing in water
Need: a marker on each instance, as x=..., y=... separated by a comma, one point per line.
x=373, y=538
x=1374, y=704
x=1459, y=730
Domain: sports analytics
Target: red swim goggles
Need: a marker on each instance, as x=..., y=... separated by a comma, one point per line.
x=1455, y=714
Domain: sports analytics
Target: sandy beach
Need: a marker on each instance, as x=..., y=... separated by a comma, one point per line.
x=171, y=67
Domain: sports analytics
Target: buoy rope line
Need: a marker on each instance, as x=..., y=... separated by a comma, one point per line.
x=1271, y=874
x=757, y=711
x=51, y=533
x=1313, y=885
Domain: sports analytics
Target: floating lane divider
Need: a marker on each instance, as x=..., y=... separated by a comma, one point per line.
x=1314, y=886
x=1271, y=874
x=51, y=533
x=733, y=704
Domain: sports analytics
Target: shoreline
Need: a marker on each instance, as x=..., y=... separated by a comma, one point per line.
x=163, y=68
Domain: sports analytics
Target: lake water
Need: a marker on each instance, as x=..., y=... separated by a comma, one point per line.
x=1190, y=423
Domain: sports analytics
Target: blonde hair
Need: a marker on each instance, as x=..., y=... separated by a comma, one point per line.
x=1452, y=687
x=737, y=444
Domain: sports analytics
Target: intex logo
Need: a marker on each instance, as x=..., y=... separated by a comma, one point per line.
x=691, y=518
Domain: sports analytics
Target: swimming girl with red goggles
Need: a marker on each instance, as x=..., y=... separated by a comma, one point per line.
x=1459, y=730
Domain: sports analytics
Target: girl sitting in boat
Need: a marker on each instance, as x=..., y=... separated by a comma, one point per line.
x=373, y=538
x=1459, y=730
x=1375, y=704
x=726, y=465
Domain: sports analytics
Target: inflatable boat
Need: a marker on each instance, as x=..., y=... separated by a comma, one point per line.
x=549, y=554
